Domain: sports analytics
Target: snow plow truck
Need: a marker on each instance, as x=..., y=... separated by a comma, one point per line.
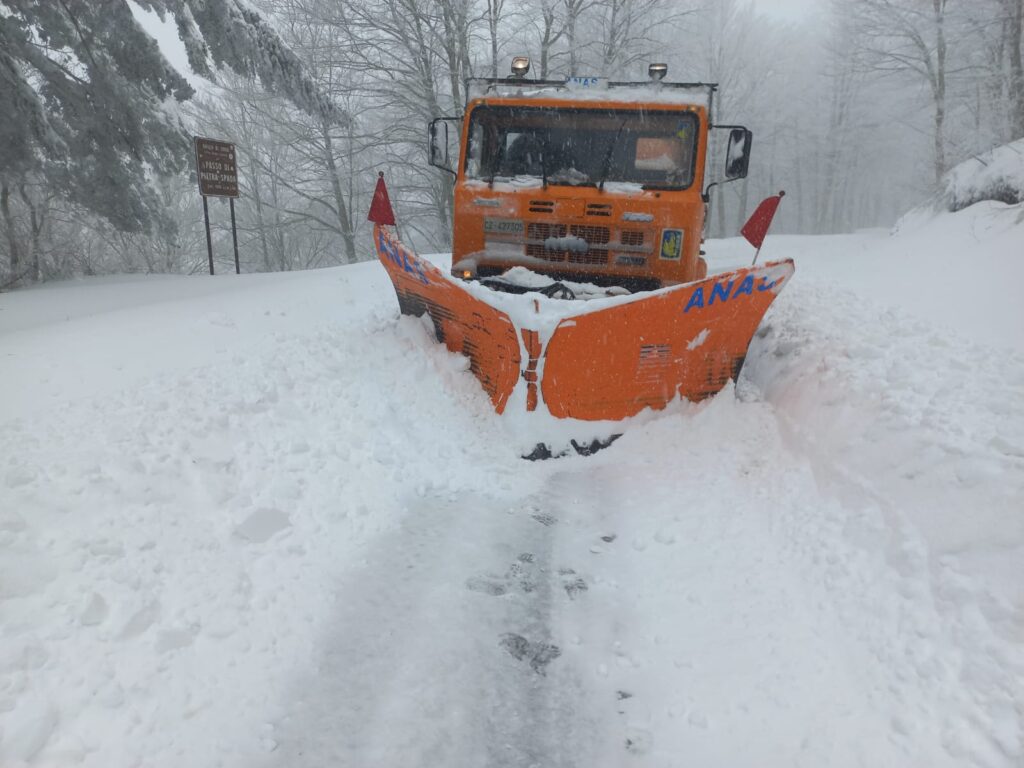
x=577, y=284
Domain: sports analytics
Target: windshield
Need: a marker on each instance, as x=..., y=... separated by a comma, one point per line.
x=582, y=146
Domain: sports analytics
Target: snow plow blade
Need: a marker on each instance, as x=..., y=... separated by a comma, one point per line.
x=605, y=362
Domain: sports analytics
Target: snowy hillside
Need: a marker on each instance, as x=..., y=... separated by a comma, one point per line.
x=262, y=521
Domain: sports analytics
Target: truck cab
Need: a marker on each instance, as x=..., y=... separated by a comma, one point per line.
x=584, y=180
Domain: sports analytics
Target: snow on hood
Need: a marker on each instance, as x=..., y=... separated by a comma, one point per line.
x=634, y=94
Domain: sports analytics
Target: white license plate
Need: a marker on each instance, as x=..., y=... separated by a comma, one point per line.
x=503, y=226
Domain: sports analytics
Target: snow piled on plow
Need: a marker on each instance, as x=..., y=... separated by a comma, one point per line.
x=264, y=521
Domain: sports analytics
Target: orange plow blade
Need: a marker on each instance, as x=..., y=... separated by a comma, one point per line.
x=462, y=322
x=688, y=340
x=602, y=360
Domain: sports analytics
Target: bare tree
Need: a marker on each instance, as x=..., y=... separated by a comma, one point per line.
x=910, y=37
x=495, y=9
x=628, y=31
x=552, y=31
x=1012, y=31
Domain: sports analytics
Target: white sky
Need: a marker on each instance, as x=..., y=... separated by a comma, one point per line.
x=788, y=10
x=166, y=33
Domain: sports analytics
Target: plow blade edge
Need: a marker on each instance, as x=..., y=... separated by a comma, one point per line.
x=602, y=363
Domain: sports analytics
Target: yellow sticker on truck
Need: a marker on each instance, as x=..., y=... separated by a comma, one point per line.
x=671, y=243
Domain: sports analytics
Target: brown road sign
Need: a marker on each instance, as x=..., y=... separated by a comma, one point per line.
x=215, y=163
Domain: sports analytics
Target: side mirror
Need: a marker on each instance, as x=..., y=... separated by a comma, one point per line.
x=737, y=156
x=437, y=144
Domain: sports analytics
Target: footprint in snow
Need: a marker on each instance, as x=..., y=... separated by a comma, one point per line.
x=487, y=585
x=519, y=576
x=539, y=655
x=638, y=741
x=571, y=582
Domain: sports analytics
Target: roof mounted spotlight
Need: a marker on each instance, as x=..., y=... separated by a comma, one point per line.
x=520, y=66
x=657, y=72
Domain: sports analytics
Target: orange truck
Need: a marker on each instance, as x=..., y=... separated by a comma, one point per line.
x=582, y=184
x=588, y=181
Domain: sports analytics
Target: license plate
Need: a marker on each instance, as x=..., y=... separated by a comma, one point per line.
x=503, y=226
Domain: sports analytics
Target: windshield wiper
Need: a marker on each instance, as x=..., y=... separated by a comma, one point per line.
x=607, y=166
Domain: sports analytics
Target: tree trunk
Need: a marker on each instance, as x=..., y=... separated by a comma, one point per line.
x=798, y=177
x=12, y=237
x=257, y=198
x=283, y=262
x=444, y=192
x=277, y=232
x=571, y=13
x=1015, y=14
x=493, y=12
x=939, y=89
x=547, y=41
x=344, y=223
x=611, y=46
x=720, y=189
x=35, y=218
x=456, y=46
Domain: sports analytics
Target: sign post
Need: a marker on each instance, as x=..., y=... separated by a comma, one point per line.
x=234, y=234
x=209, y=243
x=218, y=177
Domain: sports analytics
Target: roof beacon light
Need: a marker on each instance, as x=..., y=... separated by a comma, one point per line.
x=520, y=66
x=657, y=71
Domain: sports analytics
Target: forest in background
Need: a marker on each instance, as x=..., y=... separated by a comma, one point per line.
x=857, y=112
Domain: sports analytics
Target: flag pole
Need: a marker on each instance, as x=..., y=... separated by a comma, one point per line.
x=380, y=207
x=756, y=228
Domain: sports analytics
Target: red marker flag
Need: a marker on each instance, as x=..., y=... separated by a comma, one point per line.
x=757, y=225
x=380, y=208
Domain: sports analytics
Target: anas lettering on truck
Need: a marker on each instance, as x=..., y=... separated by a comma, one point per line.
x=723, y=291
x=402, y=258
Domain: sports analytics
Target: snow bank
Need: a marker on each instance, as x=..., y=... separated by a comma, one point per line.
x=996, y=176
x=913, y=419
x=900, y=359
x=895, y=365
x=960, y=272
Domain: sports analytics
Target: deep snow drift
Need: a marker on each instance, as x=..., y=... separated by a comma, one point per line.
x=262, y=521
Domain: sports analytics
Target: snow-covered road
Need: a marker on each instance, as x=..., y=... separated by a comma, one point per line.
x=262, y=521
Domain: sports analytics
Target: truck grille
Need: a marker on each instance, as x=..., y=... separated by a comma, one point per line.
x=593, y=235
x=542, y=231
x=632, y=237
x=596, y=237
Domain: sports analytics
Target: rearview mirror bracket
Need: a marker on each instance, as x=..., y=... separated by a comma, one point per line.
x=737, y=156
x=437, y=144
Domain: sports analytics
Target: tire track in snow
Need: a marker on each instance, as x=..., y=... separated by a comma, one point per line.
x=418, y=669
